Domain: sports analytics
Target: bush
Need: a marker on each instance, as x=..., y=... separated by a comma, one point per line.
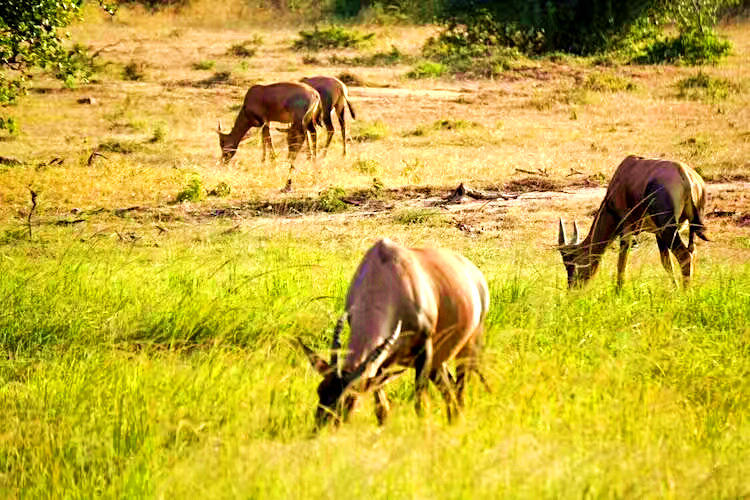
x=204, y=65
x=608, y=82
x=330, y=200
x=192, y=192
x=334, y=37
x=222, y=190
x=704, y=86
x=133, y=71
x=692, y=49
x=370, y=131
x=428, y=69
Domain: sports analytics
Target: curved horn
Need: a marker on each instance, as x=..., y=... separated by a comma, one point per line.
x=377, y=356
x=561, y=239
x=576, y=239
x=336, y=341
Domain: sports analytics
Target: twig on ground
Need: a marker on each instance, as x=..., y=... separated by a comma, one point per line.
x=462, y=191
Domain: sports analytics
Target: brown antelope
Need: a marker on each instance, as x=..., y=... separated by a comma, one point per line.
x=286, y=102
x=437, y=296
x=644, y=195
x=333, y=96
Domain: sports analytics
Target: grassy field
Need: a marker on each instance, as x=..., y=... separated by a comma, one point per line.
x=146, y=345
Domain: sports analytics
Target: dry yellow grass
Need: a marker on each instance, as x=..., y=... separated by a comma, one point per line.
x=542, y=117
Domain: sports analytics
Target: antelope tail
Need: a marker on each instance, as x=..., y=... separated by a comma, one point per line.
x=351, y=109
x=312, y=113
x=697, y=228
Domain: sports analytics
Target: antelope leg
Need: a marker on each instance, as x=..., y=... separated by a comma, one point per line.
x=382, y=407
x=423, y=367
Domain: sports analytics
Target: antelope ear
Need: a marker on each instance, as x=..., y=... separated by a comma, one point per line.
x=575, y=232
x=561, y=239
x=316, y=361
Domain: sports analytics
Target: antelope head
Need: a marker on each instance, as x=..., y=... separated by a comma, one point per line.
x=225, y=143
x=335, y=399
x=573, y=256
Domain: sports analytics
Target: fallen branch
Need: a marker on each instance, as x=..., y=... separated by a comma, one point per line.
x=539, y=171
x=461, y=192
x=574, y=172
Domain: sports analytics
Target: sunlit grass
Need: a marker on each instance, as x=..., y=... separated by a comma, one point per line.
x=164, y=365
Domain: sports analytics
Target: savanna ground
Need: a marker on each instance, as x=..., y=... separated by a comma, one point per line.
x=147, y=344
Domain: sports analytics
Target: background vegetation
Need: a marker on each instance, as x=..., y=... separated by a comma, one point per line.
x=150, y=294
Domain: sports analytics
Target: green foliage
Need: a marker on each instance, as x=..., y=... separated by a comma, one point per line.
x=369, y=131
x=538, y=26
x=428, y=69
x=704, y=86
x=118, y=146
x=247, y=48
x=30, y=37
x=608, y=82
x=204, y=65
x=222, y=190
x=193, y=191
x=334, y=37
x=159, y=133
x=687, y=48
x=330, y=200
x=154, y=5
x=478, y=48
x=368, y=166
x=390, y=58
x=133, y=71
x=416, y=216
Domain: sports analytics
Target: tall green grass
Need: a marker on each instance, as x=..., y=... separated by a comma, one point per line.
x=135, y=370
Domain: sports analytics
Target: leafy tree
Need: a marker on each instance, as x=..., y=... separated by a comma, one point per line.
x=30, y=37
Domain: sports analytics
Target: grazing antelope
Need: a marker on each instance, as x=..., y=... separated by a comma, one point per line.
x=644, y=195
x=287, y=102
x=333, y=96
x=437, y=296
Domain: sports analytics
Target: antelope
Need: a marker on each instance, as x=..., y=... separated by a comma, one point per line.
x=333, y=96
x=287, y=102
x=644, y=195
x=439, y=297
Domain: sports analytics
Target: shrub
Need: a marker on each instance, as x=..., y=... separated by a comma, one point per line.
x=691, y=49
x=370, y=131
x=334, y=37
x=221, y=190
x=367, y=166
x=243, y=49
x=192, y=192
x=394, y=56
x=204, y=65
x=330, y=200
x=428, y=69
x=608, y=82
x=115, y=146
x=133, y=71
x=415, y=216
x=160, y=133
x=704, y=86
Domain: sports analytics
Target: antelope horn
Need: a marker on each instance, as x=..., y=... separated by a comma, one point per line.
x=218, y=129
x=336, y=342
x=561, y=239
x=377, y=356
x=575, y=232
